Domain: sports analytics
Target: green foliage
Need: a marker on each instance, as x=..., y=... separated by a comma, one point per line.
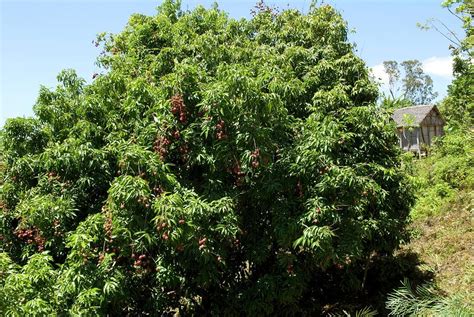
x=391, y=104
x=458, y=106
x=216, y=166
x=28, y=289
x=449, y=170
x=23, y=136
x=2, y=162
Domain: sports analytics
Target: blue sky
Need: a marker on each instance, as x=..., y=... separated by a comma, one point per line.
x=41, y=37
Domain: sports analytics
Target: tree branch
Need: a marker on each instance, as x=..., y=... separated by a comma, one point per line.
x=456, y=15
x=450, y=31
x=445, y=36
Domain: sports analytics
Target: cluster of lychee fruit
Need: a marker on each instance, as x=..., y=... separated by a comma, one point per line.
x=141, y=261
x=220, y=130
x=52, y=175
x=108, y=227
x=178, y=108
x=176, y=134
x=202, y=243
x=158, y=190
x=238, y=174
x=161, y=227
x=255, y=158
x=57, y=228
x=101, y=257
x=162, y=142
x=31, y=236
x=145, y=201
x=184, y=149
x=161, y=145
x=323, y=170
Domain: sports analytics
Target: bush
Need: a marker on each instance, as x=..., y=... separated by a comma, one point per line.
x=216, y=166
x=443, y=175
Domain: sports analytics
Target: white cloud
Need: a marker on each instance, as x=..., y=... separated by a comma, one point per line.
x=379, y=74
x=439, y=66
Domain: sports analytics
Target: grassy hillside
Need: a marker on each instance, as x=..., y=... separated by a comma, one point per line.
x=445, y=244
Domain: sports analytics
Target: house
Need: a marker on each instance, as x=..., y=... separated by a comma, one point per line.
x=417, y=126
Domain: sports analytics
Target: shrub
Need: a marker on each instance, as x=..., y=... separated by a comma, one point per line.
x=444, y=174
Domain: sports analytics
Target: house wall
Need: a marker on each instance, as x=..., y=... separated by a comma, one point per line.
x=408, y=138
x=431, y=127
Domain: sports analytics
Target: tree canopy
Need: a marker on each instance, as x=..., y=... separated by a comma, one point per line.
x=215, y=166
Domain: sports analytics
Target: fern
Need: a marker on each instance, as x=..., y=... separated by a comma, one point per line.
x=424, y=300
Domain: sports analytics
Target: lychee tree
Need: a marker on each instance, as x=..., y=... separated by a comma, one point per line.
x=215, y=166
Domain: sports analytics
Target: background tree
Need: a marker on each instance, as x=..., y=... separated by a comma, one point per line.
x=392, y=70
x=417, y=86
x=410, y=87
x=216, y=166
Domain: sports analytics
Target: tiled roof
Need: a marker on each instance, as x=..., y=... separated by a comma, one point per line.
x=415, y=113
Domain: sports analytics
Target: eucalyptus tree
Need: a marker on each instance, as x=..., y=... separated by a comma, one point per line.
x=408, y=85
